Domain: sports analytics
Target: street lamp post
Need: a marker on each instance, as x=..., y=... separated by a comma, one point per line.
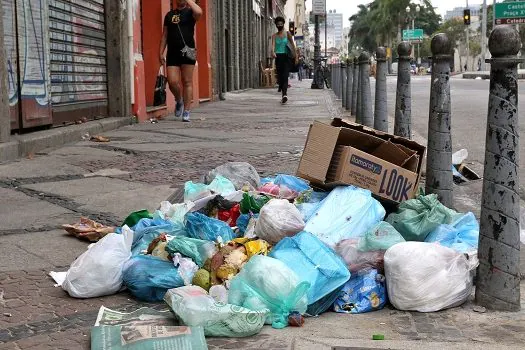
x=409, y=10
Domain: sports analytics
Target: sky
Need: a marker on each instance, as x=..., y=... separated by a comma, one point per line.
x=349, y=7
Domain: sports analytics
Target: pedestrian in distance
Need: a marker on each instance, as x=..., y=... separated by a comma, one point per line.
x=283, y=48
x=178, y=37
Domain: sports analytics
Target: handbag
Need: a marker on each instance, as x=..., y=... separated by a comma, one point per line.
x=188, y=52
x=159, y=97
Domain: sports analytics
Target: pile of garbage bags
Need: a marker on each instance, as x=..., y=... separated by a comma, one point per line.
x=242, y=252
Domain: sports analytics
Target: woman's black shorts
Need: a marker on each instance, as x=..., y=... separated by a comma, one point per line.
x=176, y=58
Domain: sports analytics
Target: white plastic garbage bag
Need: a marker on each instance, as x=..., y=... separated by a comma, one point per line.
x=240, y=173
x=98, y=271
x=278, y=219
x=428, y=277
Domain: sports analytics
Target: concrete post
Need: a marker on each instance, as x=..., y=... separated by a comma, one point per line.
x=402, y=123
x=332, y=76
x=359, y=107
x=367, y=116
x=498, y=285
x=349, y=83
x=118, y=60
x=343, y=85
x=5, y=115
x=337, y=79
x=381, y=109
x=439, y=153
x=355, y=85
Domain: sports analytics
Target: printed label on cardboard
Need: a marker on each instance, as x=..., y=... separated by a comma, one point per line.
x=397, y=187
x=366, y=164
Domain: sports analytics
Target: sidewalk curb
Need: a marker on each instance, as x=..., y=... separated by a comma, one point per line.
x=22, y=145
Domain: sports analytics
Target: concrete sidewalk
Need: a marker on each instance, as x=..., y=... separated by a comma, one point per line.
x=145, y=164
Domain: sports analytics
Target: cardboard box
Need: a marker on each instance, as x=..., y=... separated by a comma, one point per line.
x=341, y=152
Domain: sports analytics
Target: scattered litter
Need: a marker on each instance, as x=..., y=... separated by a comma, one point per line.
x=153, y=120
x=99, y=138
x=7, y=314
x=378, y=337
x=479, y=309
x=88, y=229
x=86, y=137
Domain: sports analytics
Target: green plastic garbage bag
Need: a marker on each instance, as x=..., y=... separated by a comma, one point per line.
x=253, y=204
x=135, y=217
x=416, y=218
x=267, y=283
x=381, y=237
x=194, y=307
x=197, y=249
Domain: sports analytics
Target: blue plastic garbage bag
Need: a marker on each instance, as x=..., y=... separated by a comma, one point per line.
x=146, y=231
x=202, y=227
x=313, y=204
x=347, y=212
x=294, y=183
x=462, y=235
x=364, y=292
x=149, y=278
x=315, y=263
x=266, y=180
x=323, y=304
x=244, y=220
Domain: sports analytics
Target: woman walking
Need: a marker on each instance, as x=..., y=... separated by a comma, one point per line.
x=178, y=36
x=280, y=52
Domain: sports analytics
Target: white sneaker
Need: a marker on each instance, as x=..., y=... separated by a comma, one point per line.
x=284, y=99
x=186, y=116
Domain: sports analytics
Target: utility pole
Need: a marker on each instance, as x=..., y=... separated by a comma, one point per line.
x=484, y=35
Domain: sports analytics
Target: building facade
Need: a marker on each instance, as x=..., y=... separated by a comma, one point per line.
x=71, y=61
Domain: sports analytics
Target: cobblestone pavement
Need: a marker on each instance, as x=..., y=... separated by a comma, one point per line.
x=145, y=164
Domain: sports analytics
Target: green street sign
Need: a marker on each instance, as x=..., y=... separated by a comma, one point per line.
x=510, y=12
x=413, y=34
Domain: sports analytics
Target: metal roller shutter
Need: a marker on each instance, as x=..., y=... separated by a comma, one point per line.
x=78, y=59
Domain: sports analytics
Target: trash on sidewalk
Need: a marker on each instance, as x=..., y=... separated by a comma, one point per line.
x=428, y=277
x=278, y=219
x=461, y=172
x=195, y=308
x=98, y=271
x=345, y=152
x=88, y=229
x=364, y=292
x=236, y=255
x=144, y=328
x=315, y=263
x=99, y=138
x=416, y=218
x=347, y=212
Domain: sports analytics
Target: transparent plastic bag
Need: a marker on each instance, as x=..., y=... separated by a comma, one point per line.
x=240, y=173
x=98, y=271
x=278, y=191
x=462, y=235
x=174, y=213
x=144, y=235
x=294, y=183
x=222, y=186
x=278, y=219
x=197, y=249
x=267, y=283
x=416, y=218
x=194, y=307
x=315, y=263
x=380, y=237
x=428, y=277
x=356, y=260
x=194, y=191
x=149, y=278
x=313, y=204
x=202, y=227
x=347, y=212
x=186, y=267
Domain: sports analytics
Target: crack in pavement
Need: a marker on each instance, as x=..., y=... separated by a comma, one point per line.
x=66, y=203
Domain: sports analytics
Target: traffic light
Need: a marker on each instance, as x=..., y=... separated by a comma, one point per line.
x=466, y=17
x=292, y=28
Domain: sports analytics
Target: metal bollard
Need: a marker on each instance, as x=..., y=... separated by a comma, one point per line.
x=367, y=116
x=402, y=123
x=349, y=83
x=498, y=285
x=339, y=81
x=337, y=68
x=343, y=85
x=332, y=76
x=439, y=152
x=355, y=85
x=359, y=109
x=381, y=109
